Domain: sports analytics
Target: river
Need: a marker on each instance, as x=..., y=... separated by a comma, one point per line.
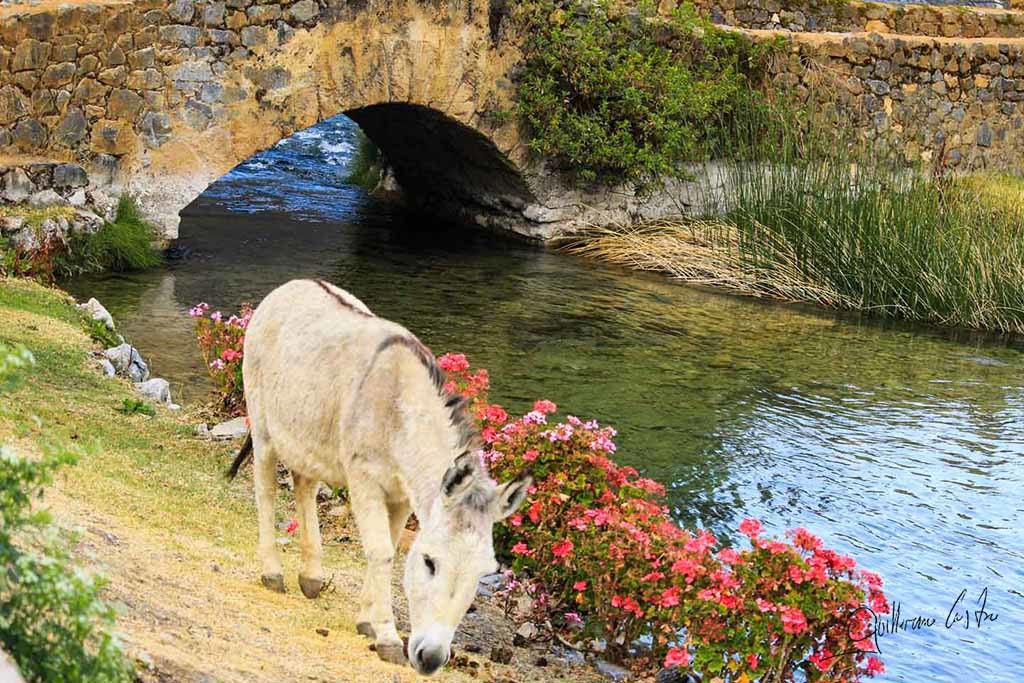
x=900, y=445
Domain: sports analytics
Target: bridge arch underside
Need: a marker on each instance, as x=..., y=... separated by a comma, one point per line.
x=443, y=167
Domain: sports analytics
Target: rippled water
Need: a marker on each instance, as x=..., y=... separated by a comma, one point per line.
x=900, y=445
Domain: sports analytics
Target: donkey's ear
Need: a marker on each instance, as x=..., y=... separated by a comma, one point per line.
x=459, y=477
x=510, y=495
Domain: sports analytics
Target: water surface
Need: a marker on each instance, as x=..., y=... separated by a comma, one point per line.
x=903, y=446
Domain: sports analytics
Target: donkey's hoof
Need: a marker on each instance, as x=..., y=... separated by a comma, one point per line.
x=274, y=582
x=393, y=653
x=310, y=587
x=364, y=628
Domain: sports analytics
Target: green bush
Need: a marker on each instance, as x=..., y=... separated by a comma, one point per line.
x=52, y=621
x=614, y=96
x=365, y=170
x=128, y=243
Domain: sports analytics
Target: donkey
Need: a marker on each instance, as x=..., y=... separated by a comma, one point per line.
x=339, y=395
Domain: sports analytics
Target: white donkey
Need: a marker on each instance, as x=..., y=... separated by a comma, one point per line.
x=341, y=396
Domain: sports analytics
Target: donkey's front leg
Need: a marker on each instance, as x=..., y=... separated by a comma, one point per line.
x=311, y=577
x=376, y=618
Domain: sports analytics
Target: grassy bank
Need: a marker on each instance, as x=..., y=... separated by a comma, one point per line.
x=127, y=243
x=176, y=540
x=884, y=241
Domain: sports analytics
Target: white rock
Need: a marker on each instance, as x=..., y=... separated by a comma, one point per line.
x=46, y=198
x=128, y=362
x=86, y=221
x=232, y=429
x=9, y=670
x=96, y=310
x=157, y=389
x=11, y=224
x=17, y=186
x=106, y=206
x=78, y=198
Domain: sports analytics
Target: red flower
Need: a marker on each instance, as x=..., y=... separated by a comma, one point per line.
x=530, y=455
x=534, y=512
x=292, y=526
x=751, y=527
x=670, y=597
x=677, y=656
x=544, y=406
x=875, y=666
x=496, y=414
x=562, y=548
x=822, y=659
x=753, y=661
x=793, y=620
x=580, y=586
x=453, y=362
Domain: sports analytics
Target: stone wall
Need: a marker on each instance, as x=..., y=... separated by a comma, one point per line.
x=845, y=16
x=916, y=96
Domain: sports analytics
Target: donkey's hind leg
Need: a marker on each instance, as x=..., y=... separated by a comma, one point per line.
x=311, y=578
x=265, y=484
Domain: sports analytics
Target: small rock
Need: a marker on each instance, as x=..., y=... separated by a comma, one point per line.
x=46, y=198
x=501, y=655
x=675, y=675
x=215, y=568
x=202, y=429
x=541, y=661
x=86, y=221
x=98, y=312
x=474, y=648
x=322, y=631
x=612, y=671
x=69, y=175
x=106, y=206
x=232, y=429
x=78, y=198
x=337, y=511
x=17, y=187
x=526, y=632
x=11, y=224
x=108, y=367
x=157, y=389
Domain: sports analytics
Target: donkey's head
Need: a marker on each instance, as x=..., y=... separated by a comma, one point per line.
x=453, y=549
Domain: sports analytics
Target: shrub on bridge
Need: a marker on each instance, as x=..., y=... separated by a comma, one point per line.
x=607, y=561
x=629, y=95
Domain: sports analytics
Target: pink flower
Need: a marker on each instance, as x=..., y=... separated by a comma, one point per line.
x=751, y=527
x=573, y=618
x=764, y=605
x=216, y=316
x=580, y=586
x=670, y=597
x=793, y=620
x=217, y=364
x=292, y=526
x=729, y=556
x=516, y=520
x=535, y=417
x=562, y=548
x=199, y=310
x=677, y=657
x=530, y=455
x=521, y=549
x=544, y=406
x=453, y=362
x=229, y=355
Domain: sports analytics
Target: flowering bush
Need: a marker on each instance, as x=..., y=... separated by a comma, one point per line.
x=221, y=341
x=607, y=562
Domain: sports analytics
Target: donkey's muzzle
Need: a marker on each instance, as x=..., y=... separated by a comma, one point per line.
x=428, y=660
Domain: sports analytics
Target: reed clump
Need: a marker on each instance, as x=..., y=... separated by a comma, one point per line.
x=839, y=232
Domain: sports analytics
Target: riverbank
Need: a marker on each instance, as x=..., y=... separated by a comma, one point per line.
x=178, y=543
x=837, y=234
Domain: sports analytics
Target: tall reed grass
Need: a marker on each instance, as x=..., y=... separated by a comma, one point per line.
x=850, y=231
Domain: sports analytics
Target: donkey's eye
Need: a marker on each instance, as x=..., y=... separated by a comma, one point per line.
x=431, y=567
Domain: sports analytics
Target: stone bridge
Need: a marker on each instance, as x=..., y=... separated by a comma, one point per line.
x=161, y=98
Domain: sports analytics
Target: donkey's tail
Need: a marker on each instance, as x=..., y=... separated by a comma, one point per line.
x=244, y=454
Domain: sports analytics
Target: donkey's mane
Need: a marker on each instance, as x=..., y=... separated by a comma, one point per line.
x=458, y=406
